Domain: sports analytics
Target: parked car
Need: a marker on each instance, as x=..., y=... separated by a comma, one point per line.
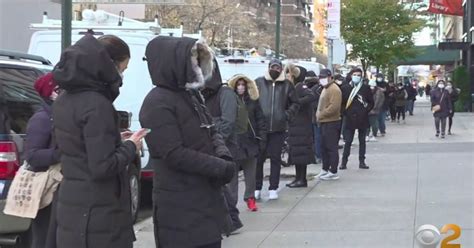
x=18, y=102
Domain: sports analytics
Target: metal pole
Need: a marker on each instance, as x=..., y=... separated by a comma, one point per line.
x=278, y=26
x=330, y=54
x=66, y=18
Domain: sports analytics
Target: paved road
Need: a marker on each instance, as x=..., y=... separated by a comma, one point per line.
x=414, y=179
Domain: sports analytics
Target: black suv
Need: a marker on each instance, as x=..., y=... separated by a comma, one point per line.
x=18, y=102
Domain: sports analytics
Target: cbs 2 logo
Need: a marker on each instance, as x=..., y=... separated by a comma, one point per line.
x=428, y=236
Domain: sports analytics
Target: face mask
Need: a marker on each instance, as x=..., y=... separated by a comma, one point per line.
x=356, y=79
x=379, y=80
x=274, y=74
x=372, y=87
x=53, y=96
x=448, y=87
x=400, y=87
x=240, y=89
x=441, y=86
x=323, y=81
x=338, y=82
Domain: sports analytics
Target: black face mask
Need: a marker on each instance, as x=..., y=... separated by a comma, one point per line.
x=274, y=74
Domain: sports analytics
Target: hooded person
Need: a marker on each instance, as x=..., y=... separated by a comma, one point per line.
x=301, y=152
x=441, y=107
x=382, y=86
x=223, y=105
x=312, y=81
x=379, y=99
x=93, y=206
x=279, y=104
x=250, y=132
x=189, y=156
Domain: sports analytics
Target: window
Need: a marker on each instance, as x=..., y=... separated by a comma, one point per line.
x=18, y=98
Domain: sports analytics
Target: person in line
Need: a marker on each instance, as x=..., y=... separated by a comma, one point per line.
x=358, y=105
x=400, y=96
x=374, y=114
x=279, y=104
x=391, y=89
x=312, y=81
x=428, y=91
x=328, y=116
x=441, y=107
x=454, y=95
x=382, y=86
x=93, y=206
x=189, y=157
x=41, y=152
x=250, y=131
x=301, y=151
x=411, y=98
x=222, y=103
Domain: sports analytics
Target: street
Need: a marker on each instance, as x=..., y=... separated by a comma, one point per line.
x=414, y=179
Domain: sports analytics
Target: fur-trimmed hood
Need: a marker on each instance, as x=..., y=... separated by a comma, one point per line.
x=292, y=69
x=179, y=63
x=252, y=89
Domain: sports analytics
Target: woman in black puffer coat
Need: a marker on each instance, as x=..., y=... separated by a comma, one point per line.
x=93, y=207
x=300, y=137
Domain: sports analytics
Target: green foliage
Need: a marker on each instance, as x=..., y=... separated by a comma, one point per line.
x=379, y=31
x=460, y=80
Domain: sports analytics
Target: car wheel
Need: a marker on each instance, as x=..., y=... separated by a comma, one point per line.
x=134, y=192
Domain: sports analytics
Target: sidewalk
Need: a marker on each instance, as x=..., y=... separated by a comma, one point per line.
x=414, y=179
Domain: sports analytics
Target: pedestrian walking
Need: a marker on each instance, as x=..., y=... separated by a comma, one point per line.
x=454, y=96
x=222, y=103
x=401, y=96
x=41, y=152
x=93, y=207
x=358, y=105
x=279, y=104
x=441, y=107
x=250, y=132
x=188, y=155
x=312, y=81
x=411, y=98
x=301, y=151
x=382, y=87
x=328, y=116
x=379, y=99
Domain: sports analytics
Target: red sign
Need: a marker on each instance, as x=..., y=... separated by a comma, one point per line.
x=446, y=7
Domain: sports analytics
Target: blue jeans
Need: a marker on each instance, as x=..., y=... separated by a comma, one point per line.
x=410, y=106
x=317, y=140
x=381, y=118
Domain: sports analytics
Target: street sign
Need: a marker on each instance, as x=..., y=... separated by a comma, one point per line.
x=334, y=19
x=157, y=2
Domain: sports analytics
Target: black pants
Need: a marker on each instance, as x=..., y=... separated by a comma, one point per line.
x=393, y=112
x=450, y=121
x=275, y=142
x=231, y=194
x=213, y=245
x=400, y=112
x=347, y=146
x=442, y=121
x=40, y=226
x=331, y=132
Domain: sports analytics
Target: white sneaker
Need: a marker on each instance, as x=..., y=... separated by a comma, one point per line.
x=273, y=195
x=330, y=176
x=322, y=173
x=257, y=194
x=372, y=139
x=367, y=139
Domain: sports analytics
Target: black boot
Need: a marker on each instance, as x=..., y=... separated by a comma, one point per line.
x=343, y=164
x=301, y=178
x=297, y=176
x=362, y=165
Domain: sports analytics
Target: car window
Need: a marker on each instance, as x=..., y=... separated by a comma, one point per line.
x=18, y=98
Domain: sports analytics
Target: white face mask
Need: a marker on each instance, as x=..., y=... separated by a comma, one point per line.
x=372, y=87
x=323, y=81
x=240, y=89
x=448, y=87
x=379, y=79
x=356, y=79
x=441, y=86
x=53, y=96
x=339, y=82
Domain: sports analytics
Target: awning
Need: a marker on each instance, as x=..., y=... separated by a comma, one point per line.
x=430, y=55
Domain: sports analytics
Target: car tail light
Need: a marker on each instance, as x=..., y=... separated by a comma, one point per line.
x=147, y=174
x=9, y=162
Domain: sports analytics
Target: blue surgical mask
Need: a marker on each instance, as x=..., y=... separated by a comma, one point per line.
x=356, y=79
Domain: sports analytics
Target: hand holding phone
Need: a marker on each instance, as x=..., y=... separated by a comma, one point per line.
x=137, y=137
x=126, y=135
